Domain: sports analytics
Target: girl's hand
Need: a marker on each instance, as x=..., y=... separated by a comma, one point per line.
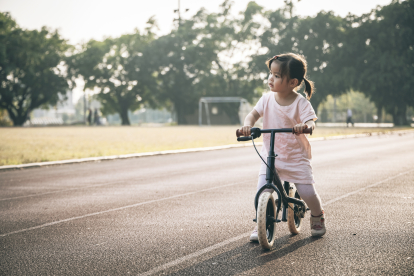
x=299, y=128
x=245, y=130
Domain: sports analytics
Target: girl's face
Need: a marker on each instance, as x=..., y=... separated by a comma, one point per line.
x=275, y=81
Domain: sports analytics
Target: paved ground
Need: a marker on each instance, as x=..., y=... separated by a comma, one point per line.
x=191, y=214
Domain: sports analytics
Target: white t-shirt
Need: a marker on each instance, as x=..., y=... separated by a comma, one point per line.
x=294, y=152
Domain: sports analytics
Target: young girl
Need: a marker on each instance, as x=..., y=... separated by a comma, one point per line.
x=283, y=107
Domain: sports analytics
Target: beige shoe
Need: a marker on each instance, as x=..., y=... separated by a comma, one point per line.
x=253, y=236
x=318, y=225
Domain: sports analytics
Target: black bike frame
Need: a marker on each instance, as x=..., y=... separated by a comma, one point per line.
x=272, y=178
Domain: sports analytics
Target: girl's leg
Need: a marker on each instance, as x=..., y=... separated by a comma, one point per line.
x=308, y=193
x=261, y=182
x=312, y=199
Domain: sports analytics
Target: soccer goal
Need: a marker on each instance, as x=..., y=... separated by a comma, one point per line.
x=244, y=107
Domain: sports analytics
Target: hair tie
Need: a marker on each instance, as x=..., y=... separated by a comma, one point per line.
x=275, y=57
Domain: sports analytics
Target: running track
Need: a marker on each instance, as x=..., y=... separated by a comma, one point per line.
x=191, y=214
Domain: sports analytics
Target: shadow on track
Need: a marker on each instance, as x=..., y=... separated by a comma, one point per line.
x=246, y=257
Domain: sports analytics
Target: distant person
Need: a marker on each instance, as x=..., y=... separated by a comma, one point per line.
x=96, y=116
x=349, y=117
x=89, y=116
x=283, y=107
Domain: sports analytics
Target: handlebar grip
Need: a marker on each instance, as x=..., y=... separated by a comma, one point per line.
x=244, y=138
x=307, y=130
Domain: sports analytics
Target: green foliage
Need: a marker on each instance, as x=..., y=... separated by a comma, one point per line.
x=317, y=38
x=117, y=68
x=179, y=61
x=201, y=58
x=236, y=77
x=363, y=110
x=383, y=57
x=4, y=119
x=372, y=53
x=193, y=60
x=30, y=75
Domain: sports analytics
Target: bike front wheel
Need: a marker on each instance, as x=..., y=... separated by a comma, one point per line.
x=266, y=220
x=293, y=220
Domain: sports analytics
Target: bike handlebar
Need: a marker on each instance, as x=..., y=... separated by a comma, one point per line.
x=244, y=138
x=257, y=131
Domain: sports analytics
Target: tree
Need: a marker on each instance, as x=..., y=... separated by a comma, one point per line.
x=318, y=38
x=30, y=74
x=183, y=61
x=117, y=68
x=242, y=40
x=196, y=60
x=383, y=55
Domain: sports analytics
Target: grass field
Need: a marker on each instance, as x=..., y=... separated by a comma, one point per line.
x=40, y=144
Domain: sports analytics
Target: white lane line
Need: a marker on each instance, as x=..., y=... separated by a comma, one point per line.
x=117, y=209
x=216, y=246
x=194, y=255
x=125, y=156
x=83, y=187
x=59, y=191
x=369, y=186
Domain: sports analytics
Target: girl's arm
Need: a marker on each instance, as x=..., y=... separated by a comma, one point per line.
x=249, y=122
x=311, y=124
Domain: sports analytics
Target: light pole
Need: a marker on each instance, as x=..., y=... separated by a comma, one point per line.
x=179, y=14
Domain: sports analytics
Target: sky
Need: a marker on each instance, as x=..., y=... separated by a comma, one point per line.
x=81, y=20
x=78, y=21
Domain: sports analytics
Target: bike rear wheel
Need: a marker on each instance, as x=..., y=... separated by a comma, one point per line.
x=266, y=220
x=293, y=220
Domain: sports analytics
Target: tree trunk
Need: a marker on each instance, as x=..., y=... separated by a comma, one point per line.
x=399, y=116
x=18, y=119
x=181, y=112
x=379, y=114
x=124, y=117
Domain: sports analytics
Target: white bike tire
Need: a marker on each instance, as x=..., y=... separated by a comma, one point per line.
x=294, y=222
x=266, y=231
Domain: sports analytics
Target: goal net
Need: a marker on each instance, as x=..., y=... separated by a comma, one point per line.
x=244, y=107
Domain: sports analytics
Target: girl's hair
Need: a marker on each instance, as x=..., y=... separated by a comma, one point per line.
x=294, y=67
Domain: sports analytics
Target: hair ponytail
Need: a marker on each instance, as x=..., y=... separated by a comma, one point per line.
x=293, y=66
x=309, y=88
